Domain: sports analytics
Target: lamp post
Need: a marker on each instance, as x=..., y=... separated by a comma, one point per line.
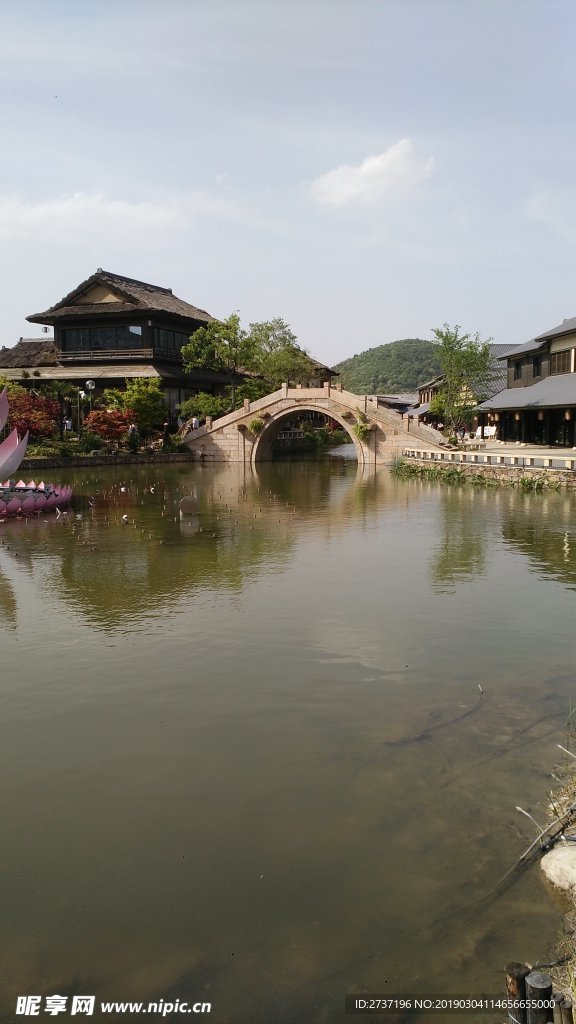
x=81, y=397
x=90, y=385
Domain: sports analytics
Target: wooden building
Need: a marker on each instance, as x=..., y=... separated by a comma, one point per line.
x=496, y=380
x=110, y=328
x=538, y=402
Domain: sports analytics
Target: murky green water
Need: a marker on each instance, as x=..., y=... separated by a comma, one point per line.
x=245, y=757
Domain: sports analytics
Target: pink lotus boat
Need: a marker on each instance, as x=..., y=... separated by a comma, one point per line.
x=19, y=498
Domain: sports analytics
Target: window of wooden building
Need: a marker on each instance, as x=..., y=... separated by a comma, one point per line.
x=560, y=362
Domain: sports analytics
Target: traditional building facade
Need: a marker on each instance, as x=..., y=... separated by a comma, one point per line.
x=538, y=403
x=112, y=328
x=496, y=380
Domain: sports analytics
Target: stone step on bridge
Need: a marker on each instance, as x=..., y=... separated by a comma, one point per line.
x=236, y=437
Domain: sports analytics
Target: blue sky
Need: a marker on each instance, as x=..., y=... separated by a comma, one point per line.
x=366, y=169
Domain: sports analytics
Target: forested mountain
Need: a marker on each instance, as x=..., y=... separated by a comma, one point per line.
x=389, y=369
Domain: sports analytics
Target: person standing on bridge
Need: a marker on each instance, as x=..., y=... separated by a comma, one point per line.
x=195, y=423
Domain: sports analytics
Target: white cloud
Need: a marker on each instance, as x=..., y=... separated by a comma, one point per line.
x=556, y=209
x=96, y=216
x=393, y=172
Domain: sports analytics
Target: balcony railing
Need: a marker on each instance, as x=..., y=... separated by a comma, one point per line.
x=107, y=355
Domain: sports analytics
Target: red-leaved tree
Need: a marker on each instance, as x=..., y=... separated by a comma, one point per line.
x=35, y=413
x=109, y=424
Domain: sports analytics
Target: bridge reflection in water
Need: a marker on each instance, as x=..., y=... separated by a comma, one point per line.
x=234, y=762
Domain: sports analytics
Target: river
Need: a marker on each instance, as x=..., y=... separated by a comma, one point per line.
x=246, y=758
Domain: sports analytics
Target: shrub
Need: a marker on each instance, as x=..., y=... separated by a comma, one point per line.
x=109, y=424
x=32, y=412
x=89, y=442
x=362, y=431
x=340, y=437
x=256, y=425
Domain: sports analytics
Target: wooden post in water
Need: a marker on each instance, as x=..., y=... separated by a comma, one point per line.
x=516, y=988
x=564, y=1006
x=539, y=987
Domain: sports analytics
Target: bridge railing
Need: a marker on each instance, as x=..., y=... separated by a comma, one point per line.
x=357, y=404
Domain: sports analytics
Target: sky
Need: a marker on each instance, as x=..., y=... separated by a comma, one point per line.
x=365, y=169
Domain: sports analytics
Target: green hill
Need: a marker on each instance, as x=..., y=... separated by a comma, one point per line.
x=390, y=369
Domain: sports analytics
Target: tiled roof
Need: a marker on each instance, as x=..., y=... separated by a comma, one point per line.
x=557, y=390
x=566, y=327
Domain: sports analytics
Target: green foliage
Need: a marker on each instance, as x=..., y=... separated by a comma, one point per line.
x=11, y=387
x=269, y=349
x=465, y=363
x=390, y=369
x=277, y=355
x=256, y=425
x=90, y=442
x=362, y=431
x=447, y=474
x=251, y=388
x=437, y=406
x=133, y=442
x=221, y=345
x=204, y=404
x=532, y=483
x=144, y=399
x=50, y=448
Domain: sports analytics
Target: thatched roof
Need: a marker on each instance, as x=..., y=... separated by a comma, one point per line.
x=30, y=352
x=321, y=366
x=130, y=296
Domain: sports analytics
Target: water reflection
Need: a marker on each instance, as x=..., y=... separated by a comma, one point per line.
x=7, y=601
x=116, y=571
x=246, y=758
x=542, y=528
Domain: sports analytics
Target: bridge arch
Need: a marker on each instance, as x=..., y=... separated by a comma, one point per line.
x=231, y=439
x=262, y=447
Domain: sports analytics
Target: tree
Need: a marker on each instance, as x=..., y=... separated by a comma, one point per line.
x=269, y=350
x=32, y=412
x=64, y=393
x=109, y=424
x=221, y=345
x=204, y=404
x=144, y=399
x=465, y=363
x=278, y=356
x=399, y=366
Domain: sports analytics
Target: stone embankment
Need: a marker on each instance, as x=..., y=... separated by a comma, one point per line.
x=120, y=459
x=507, y=469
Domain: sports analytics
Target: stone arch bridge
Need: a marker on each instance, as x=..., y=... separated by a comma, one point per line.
x=231, y=439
